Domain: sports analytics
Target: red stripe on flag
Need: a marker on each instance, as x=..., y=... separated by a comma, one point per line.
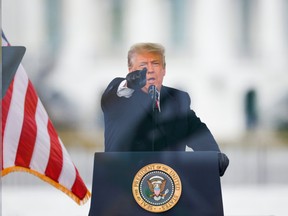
x=6, y=101
x=78, y=186
x=29, y=129
x=55, y=162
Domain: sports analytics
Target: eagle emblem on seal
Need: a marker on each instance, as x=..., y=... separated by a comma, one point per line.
x=157, y=187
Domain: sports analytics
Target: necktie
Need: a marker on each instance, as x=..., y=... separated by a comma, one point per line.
x=155, y=96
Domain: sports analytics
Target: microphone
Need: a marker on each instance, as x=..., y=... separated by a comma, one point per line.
x=153, y=92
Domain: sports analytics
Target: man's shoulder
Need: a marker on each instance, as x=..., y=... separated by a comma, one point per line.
x=180, y=97
x=114, y=83
x=116, y=80
x=174, y=92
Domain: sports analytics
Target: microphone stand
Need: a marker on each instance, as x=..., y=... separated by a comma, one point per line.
x=152, y=91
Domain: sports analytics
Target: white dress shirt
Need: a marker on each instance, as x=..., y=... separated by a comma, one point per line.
x=124, y=91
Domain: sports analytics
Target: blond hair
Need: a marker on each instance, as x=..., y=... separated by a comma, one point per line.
x=146, y=48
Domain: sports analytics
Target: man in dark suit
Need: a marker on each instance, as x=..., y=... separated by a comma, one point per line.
x=141, y=114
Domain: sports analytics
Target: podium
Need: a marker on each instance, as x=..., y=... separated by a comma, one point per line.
x=156, y=183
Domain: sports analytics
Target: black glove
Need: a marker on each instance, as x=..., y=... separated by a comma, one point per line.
x=223, y=163
x=136, y=79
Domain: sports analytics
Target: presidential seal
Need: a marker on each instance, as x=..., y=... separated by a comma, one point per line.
x=156, y=188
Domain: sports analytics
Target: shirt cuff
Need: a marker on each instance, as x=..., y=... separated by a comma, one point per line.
x=124, y=91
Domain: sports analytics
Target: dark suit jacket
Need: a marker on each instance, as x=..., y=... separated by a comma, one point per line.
x=131, y=125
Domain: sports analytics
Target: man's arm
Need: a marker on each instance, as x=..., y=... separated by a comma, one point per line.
x=110, y=94
x=203, y=140
x=200, y=137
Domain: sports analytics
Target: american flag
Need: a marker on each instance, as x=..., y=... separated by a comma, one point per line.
x=30, y=142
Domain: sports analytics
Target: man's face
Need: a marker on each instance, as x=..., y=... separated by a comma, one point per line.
x=155, y=68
